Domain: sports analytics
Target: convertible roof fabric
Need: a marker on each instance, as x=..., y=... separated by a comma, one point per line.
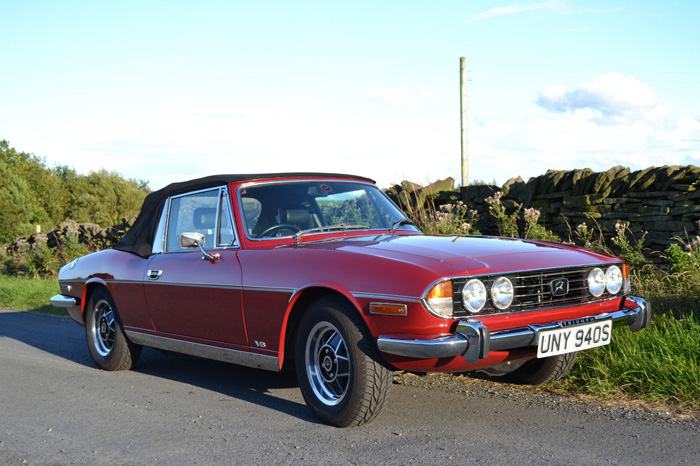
x=139, y=239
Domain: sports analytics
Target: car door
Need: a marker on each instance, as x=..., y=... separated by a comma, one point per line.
x=192, y=295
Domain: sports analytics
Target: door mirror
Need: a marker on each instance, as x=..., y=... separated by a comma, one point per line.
x=190, y=240
x=196, y=240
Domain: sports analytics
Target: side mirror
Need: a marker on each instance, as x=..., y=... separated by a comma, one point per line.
x=196, y=240
x=191, y=240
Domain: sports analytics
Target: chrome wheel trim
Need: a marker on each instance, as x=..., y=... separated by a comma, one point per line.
x=103, y=328
x=327, y=361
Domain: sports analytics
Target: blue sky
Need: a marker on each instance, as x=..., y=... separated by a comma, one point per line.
x=168, y=91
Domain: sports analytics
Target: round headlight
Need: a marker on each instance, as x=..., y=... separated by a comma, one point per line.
x=613, y=279
x=596, y=282
x=502, y=293
x=474, y=295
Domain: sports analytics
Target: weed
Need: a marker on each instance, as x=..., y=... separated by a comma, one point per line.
x=507, y=223
x=533, y=230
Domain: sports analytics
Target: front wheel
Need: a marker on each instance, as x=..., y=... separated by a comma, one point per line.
x=341, y=374
x=106, y=341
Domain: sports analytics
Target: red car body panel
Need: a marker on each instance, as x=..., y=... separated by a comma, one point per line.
x=197, y=298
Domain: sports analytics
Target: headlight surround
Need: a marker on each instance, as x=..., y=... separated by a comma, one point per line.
x=613, y=279
x=596, y=282
x=502, y=293
x=474, y=295
x=439, y=299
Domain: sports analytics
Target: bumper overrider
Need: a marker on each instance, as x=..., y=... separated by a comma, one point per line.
x=473, y=340
x=70, y=304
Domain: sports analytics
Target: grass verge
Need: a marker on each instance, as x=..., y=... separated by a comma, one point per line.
x=29, y=294
x=660, y=363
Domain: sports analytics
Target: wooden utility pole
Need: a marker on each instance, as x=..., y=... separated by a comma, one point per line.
x=463, y=121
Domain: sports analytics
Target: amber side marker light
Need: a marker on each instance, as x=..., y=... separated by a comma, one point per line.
x=387, y=309
x=626, y=281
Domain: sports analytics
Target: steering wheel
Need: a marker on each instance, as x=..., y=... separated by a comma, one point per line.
x=281, y=226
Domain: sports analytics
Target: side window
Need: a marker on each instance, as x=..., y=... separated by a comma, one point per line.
x=226, y=236
x=251, y=210
x=192, y=213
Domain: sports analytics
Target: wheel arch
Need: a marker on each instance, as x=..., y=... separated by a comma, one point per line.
x=298, y=304
x=90, y=286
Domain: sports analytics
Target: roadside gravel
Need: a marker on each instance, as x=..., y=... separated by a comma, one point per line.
x=614, y=409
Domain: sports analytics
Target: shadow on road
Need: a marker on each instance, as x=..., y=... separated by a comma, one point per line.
x=252, y=385
x=65, y=339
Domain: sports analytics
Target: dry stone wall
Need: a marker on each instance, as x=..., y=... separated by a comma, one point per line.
x=89, y=234
x=662, y=201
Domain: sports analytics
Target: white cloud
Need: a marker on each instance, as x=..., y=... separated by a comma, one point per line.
x=607, y=99
x=567, y=140
x=407, y=100
x=399, y=97
x=168, y=146
x=515, y=9
x=551, y=6
x=432, y=96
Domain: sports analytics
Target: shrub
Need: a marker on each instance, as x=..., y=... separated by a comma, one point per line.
x=507, y=223
x=533, y=230
x=39, y=260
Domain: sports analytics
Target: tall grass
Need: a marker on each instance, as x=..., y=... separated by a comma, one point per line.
x=660, y=363
x=28, y=294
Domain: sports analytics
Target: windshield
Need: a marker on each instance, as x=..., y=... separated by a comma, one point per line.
x=284, y=208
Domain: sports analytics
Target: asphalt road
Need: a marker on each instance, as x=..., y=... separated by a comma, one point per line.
x=57, y=408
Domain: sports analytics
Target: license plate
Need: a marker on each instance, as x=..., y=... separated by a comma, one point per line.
x=570, y=339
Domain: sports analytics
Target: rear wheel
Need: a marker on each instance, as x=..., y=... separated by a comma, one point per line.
x=544, y=370
x=106, y=341
x=340, y=372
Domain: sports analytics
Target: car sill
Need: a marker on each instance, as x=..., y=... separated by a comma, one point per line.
x=242, y=358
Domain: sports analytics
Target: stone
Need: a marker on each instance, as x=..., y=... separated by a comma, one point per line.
x=448, y=184
x=477, y=193
x=518, y=190
x=579, y=179
x=685, y=210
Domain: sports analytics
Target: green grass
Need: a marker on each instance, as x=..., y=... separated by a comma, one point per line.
x=28, y=294
x=660, y=363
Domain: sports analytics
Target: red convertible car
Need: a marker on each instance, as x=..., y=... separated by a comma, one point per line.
x=324, y=273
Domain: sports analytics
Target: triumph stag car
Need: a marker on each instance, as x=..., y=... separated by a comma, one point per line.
x=325, y=274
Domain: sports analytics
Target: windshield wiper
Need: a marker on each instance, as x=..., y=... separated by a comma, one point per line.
x=338, y=226
x=402, y=222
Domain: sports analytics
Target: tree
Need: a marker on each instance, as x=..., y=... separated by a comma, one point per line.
x=33, y=193
x=16, y=202
x=105, y=197
x=49, y=196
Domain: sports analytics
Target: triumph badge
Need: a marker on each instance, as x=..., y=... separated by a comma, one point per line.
x=559, y=287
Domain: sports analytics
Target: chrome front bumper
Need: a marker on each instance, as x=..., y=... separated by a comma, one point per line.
x=473, y=340
x=70, y=304
x=61, y=301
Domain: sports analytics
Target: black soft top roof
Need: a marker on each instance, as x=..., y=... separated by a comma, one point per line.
x=139, y=238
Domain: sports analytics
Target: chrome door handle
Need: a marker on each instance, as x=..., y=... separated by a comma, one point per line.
x=154, y=274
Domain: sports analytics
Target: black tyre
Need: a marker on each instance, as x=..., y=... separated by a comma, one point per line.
x=340, y=372
x=541, y=371
x=106, y=341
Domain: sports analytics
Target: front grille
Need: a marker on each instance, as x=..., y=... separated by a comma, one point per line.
x=533, y=290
